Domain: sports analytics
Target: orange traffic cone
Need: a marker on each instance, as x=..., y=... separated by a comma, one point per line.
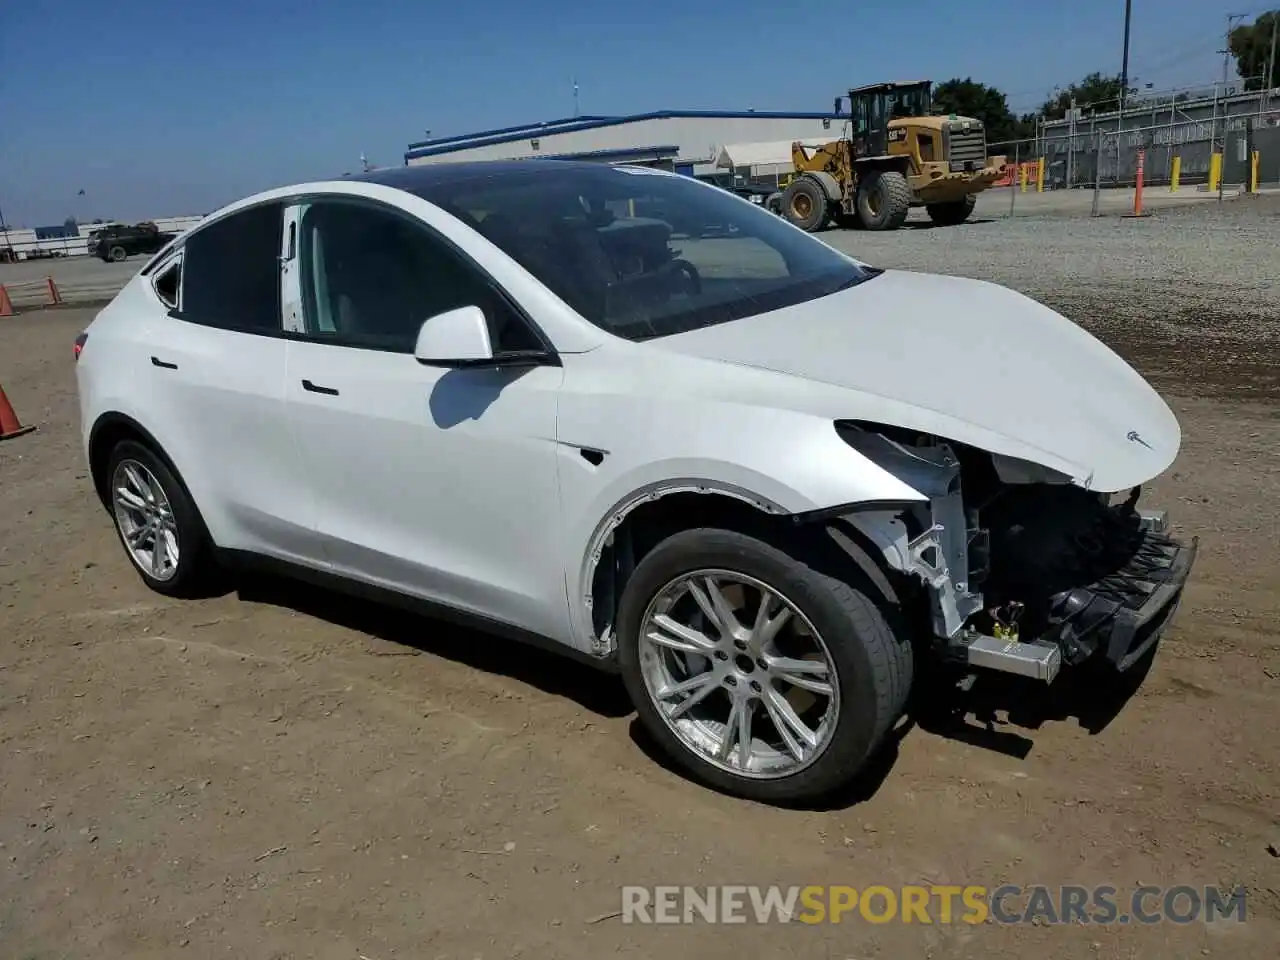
x=6, y=305
x=9, y=425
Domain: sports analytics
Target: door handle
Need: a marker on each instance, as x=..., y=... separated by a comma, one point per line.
x=316, y=388
x=157, y=362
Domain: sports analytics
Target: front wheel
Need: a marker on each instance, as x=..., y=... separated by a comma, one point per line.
x=118, y=254
x=757, y=674
x=883, y=200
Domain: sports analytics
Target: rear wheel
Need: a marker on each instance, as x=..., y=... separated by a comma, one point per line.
x=804, y=204
x=949, y=214
x=118, y=254
x=884, y=200
x=757, y=674
x=158, y=523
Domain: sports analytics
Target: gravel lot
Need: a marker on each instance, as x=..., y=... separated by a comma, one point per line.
x=1198, y=273
x=279, y=773
x=79, y=279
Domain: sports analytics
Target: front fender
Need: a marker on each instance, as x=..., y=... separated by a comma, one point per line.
x=780, y=461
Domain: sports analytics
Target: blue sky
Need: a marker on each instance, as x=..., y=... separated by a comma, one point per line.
x=159, y=107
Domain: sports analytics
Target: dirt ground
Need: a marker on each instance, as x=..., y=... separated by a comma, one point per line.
x=280, y=773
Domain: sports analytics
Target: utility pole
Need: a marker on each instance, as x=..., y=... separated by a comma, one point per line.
x=575, y=98
x=1124, y=63
x=1226, y=46
x=1269, y=81
x=1226, y=63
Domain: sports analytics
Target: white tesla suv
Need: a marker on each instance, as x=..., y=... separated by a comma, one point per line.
x=642, y=419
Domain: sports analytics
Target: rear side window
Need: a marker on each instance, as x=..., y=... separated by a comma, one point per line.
x=231, y=271
x=167, y=283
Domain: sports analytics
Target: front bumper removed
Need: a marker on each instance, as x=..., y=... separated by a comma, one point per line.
x=1118, y=618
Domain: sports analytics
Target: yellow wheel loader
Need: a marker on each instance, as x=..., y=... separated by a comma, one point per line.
x=895, y=156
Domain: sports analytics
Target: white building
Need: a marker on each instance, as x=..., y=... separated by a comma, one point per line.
x=25, y=242
x=687, y=141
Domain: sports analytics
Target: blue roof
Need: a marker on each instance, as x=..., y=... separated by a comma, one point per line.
x=485, y=138
x=663, y=151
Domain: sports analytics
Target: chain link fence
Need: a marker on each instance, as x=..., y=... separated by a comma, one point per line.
x=1090, y=154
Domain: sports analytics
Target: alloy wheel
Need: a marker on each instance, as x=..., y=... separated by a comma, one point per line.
x=145, y=519
x=739, y=674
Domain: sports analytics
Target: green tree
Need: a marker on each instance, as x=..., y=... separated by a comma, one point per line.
x=968, y=98
x=1096, y=93
x=1251, y=45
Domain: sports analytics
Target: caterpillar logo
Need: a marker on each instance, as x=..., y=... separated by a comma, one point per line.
x=897, y=134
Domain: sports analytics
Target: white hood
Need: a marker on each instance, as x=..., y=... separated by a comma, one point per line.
x=968, y=361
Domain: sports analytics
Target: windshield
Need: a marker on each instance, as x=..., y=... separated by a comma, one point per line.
x=641, y=253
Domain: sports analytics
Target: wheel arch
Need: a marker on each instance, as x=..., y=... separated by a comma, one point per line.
x=829, y=184
x=892, y=162
x=111, y=429
x=835, y=542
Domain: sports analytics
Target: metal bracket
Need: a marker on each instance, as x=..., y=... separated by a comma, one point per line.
x=1155, y=521
x=940, y=557
x=1040, y=661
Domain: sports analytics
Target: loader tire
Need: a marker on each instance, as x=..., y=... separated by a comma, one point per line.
x=950, y=214
x=804, y=204
x=884, y=200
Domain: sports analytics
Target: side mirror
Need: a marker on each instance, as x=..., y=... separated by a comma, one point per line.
x=455, y=338
x=460, y=338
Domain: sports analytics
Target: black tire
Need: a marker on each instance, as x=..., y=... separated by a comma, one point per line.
x=873, y=665
x=198, y=573
x=118, y=253
x=884, y=199
x=804, y=204
x=773, y=203
x=950, y=214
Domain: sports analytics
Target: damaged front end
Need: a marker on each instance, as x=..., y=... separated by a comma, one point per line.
x=1023, y=570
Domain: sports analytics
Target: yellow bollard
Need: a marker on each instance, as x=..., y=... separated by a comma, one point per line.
x=1175, y=175
x=1022, y=176
x=1215, y=171
x=1040, y=175
x=1254, y=159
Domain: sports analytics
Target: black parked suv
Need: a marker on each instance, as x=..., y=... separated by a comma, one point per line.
x=120, y=241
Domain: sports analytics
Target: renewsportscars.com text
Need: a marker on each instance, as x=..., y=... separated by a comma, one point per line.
x=935, y=904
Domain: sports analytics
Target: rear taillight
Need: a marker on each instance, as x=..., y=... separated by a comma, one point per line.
x=80, y=342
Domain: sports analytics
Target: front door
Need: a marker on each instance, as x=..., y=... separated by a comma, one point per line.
x=435, y=482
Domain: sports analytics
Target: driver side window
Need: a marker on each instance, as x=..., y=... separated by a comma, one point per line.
x=371, y=275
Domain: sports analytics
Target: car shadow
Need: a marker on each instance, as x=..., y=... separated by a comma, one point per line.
x=551, y=672
x=995, y=713
x=996, y=710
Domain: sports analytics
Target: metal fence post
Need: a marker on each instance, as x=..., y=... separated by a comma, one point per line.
x=1097, y=174
x=1222, y=166
x=1013, y=181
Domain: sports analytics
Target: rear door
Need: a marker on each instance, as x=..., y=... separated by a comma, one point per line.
x=217, y=363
